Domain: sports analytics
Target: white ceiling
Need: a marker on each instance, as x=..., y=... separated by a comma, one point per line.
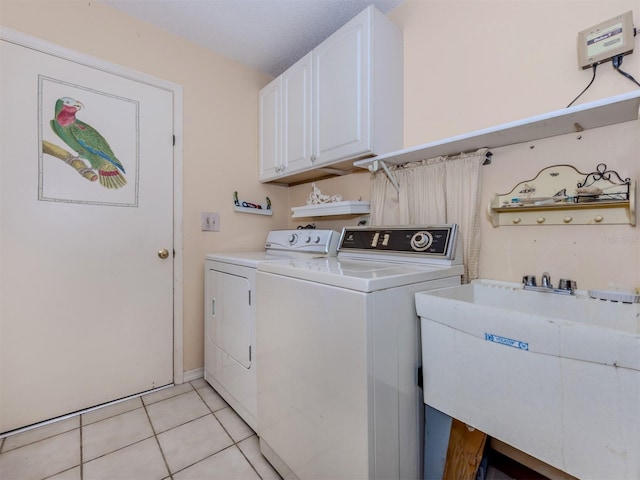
x=268, y=35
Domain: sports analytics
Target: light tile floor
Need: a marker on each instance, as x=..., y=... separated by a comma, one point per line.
x=186, y=432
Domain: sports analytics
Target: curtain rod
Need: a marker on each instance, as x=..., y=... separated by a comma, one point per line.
x=375, y=166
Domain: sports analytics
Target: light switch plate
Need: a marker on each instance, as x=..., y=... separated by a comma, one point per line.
x=210, y=222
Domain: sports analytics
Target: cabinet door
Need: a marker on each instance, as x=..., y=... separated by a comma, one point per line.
x=270, y=133
x=296, y=116
x=341, y=92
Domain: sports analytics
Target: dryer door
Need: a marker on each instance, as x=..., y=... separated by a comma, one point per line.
x=229, y=315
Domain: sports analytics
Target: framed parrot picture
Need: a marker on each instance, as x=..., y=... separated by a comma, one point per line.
x=89, y=145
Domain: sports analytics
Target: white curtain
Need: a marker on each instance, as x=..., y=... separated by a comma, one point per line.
x=436, y=191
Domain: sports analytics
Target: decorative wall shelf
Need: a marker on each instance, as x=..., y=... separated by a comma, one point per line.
x=609, y=111
x=561, y=195
x=354, y=207
x=255, y=211
x=249, y=207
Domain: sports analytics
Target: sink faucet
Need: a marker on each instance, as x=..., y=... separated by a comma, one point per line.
x=565, y=286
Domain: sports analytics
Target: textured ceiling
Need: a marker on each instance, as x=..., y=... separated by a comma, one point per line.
x=268, y=35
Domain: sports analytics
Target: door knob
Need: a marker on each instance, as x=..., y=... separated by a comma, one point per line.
x=164, y=253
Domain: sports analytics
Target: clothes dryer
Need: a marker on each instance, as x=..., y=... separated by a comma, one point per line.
x=339, y=338
x=230, y=289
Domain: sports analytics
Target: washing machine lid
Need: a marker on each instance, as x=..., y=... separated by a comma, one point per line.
x=246, y=259
x=359, y=275
x=281, y=244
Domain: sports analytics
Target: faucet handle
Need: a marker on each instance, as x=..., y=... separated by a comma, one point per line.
x=529, y=280
x=546, y=280
x=566, y=284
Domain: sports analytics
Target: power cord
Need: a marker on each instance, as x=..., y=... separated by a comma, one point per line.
x=595, y=66
x=616, y=62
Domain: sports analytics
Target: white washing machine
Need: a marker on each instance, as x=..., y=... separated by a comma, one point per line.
x=230, y=287
x=339, y=352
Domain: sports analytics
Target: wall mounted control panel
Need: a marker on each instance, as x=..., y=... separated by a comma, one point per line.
x=606, y=40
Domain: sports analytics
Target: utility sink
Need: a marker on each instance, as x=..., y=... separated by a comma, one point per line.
x=556, y=376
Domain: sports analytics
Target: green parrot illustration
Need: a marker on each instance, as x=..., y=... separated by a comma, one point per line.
x=87, y=143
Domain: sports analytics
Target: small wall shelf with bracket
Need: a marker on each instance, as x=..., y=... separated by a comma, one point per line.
x=249, y=207
x=561, y=195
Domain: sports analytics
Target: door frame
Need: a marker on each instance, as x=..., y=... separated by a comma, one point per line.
x=28, y=41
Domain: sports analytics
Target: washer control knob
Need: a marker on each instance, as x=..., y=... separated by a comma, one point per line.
x=308, y=239
x=317, y=240
x=293, y=238
x=421, y=241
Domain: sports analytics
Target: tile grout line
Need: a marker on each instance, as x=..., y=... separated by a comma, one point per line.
x=230, y=436
x=155, y=436
x=202, y=416
x=249, y=461
x=143, y=406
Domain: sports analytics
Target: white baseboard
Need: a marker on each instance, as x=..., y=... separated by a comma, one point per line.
x=193, y=374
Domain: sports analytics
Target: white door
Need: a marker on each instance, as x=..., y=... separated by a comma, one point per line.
x=86, y=301
x=229, y=315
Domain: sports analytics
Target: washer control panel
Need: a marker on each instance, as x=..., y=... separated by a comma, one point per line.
x=432, y=241
x=322, y=242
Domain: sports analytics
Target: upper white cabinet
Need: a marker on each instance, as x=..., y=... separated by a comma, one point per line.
x=270, y=141
x=296, y=116
x=285, y=122
x=340, y=103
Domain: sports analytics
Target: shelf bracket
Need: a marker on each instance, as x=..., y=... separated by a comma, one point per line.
x=375, y=166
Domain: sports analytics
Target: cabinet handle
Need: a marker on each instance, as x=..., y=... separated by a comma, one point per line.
x=313, y=158
x=598, y=218
x=213, y=307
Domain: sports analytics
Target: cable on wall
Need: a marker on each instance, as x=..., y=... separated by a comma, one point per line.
x=616, y=62
x=595, y=66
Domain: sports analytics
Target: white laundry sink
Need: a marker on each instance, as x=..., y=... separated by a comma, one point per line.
x=557, y=376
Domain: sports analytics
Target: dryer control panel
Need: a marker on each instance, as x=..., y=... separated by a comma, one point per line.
x=308, y=241
x=432, y=241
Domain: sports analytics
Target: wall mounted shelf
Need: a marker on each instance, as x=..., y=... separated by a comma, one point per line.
x=561, y=195
x=250, y=207
x=255, y=211
x=602, y=213
x=354, y=207
x=609, y=111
